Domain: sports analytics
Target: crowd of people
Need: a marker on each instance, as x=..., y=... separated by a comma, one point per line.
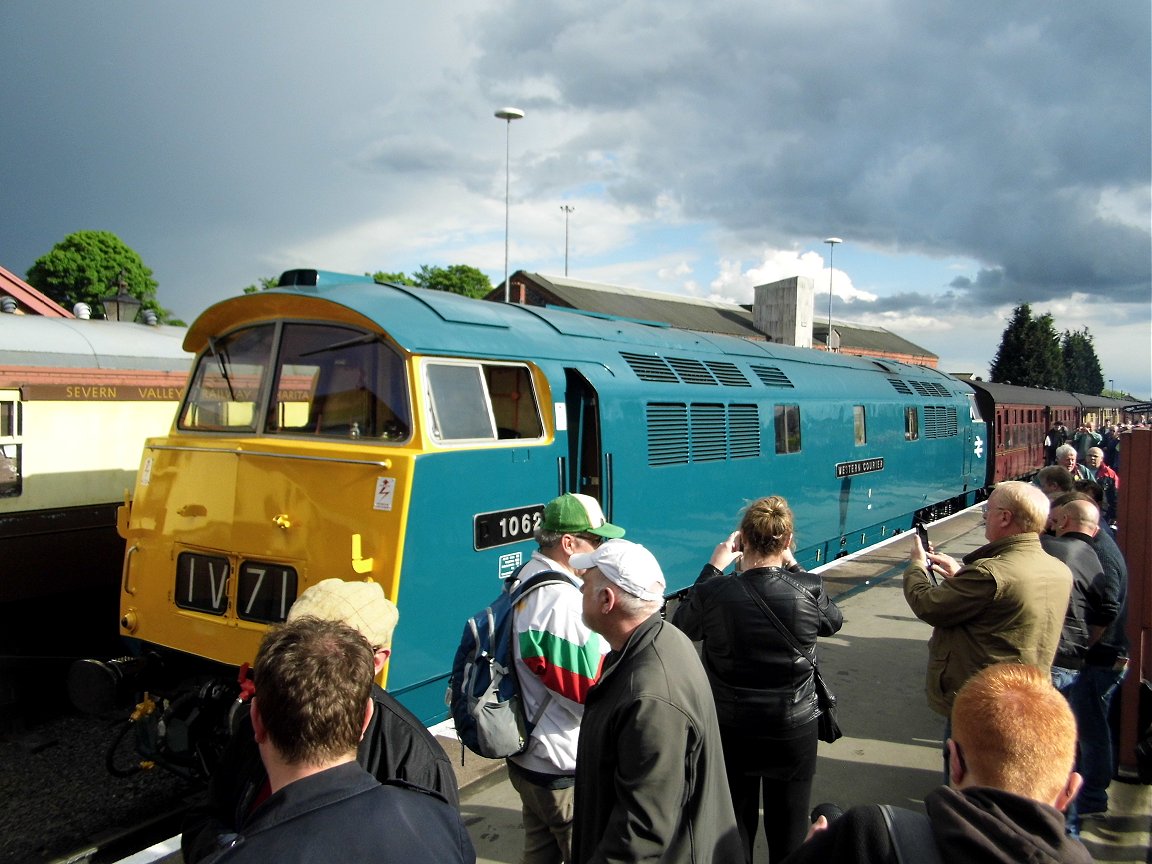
x=664, y=738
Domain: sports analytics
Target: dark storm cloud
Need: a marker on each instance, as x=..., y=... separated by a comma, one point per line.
x=207, y=136
x=985, y=130
x=218, y=138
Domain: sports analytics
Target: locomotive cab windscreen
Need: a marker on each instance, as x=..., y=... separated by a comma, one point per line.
x=328, y=381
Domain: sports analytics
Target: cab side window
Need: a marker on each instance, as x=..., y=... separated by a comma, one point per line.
x=471, y=401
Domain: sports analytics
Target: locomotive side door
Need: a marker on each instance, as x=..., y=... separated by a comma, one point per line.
x=589, y=471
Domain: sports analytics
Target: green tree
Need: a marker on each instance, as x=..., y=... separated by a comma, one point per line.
x=1045, y=360
x=1082, y=366
x=264, y=284
x=398, y=278
x=1008, y=364
x=457, y=279
x=87, y=266
x=1029, y=353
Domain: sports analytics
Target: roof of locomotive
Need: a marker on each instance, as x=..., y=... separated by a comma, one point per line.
x=440, y=323
x=37, y=340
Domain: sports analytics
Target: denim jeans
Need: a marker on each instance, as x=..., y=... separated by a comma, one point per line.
x=1090, y=697
x=1063, y=679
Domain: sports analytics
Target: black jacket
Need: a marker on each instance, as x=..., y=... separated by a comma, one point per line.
x=344, y=814
x=760, y=684
x=977, y=826
x=1094, y=602
x=395, y=746
x=1114, y=642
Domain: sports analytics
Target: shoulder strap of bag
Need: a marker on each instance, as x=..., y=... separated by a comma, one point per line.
x=784, y=631
x=911, y=835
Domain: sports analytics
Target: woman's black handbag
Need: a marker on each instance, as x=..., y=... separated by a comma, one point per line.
x=826, y=701
x=829, y=729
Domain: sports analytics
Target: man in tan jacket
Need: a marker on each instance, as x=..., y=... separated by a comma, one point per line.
x=1005, y=603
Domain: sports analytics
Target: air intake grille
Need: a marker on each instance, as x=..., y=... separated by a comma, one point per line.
x=900, y=386
x=727, y=373
x=930, y=388
x=650, y=367
x=770, y=376
x=702, y=432
x=939, y=421
x=743, y=431
x=667, y=434
x=709, y=433
x=691, y=371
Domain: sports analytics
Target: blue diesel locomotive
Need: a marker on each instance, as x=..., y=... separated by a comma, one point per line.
x=364, y=430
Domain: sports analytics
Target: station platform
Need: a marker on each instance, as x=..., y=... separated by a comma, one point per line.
x=891, y=751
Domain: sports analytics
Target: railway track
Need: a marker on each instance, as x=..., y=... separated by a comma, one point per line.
x=61, y=804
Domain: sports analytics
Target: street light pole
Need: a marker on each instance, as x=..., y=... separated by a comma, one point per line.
x=831, y=241
x=508, y=115
x=567, y=209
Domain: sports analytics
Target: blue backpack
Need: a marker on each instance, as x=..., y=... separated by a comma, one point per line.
x=484, y=692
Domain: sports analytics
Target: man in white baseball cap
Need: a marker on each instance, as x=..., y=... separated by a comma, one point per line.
x=650, y=780
x=557, y=661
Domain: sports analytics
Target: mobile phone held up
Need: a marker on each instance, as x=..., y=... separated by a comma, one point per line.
x=922, y=533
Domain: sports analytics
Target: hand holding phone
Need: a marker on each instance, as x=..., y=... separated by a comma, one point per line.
x=922, y=533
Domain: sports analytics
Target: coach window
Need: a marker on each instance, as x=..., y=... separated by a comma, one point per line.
x=859, y=426
x=787, y=421
x=481, y=401
x=10, y=483
x=911, y=423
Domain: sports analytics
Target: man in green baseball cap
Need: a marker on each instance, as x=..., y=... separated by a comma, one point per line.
x=558, y=660
x=573, y=513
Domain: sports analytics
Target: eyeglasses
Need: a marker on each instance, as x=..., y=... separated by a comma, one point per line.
x=985, y=508
x=593, y=540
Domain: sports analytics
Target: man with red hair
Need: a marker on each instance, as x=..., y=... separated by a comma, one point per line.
x=1010, y=777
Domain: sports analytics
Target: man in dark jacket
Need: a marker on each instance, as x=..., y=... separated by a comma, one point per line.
x=395, y=745
x=1105, y=662
x=1010, y=777
x=650, y=782
x=310, y=708
x=1093, y=604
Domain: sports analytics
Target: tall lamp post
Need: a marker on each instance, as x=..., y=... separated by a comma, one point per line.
x=831, y=241
x=567, y=209
x=508, y=115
